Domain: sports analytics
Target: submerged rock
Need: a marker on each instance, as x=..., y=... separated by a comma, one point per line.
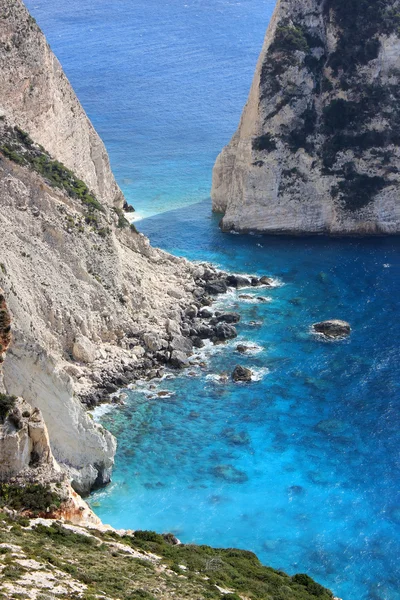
x=236, y=438
x=241, y=374
x=230, y=473
x=333, y=328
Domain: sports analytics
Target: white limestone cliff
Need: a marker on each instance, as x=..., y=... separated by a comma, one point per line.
x=317, y=148
x=82, y=286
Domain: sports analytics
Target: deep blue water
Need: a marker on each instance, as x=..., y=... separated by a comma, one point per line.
x=314, y=443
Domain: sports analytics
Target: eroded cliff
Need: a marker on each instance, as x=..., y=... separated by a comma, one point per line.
x=317, y=149
x=83, y=287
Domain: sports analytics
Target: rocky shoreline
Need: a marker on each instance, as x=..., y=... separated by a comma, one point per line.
x=152, y=353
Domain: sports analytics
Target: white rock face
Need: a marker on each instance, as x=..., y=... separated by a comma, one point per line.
x=24, y=440
x=83, y=350
x=82, y=294
x=317, y=148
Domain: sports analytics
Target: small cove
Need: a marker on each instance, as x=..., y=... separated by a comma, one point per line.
x=299, y=466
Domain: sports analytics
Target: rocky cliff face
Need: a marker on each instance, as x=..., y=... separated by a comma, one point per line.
x=38, y=97
x=317, y=149
x=83, y=287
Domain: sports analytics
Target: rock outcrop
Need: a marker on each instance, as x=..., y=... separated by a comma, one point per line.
x=83, y=287
x=333, y=328
x=317, y=149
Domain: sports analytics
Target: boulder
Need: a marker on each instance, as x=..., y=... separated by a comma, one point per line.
x=179, y=360
x=266, y=281
x=205, y=313
x=333, y=328
x=228, y=317
x=241, y=374
x=216, y=286
x=204, y=332
x=182, y=344
x=154, y=342
x=191, y=312
x=238, y=281
x=224, y=331
x=83, y=350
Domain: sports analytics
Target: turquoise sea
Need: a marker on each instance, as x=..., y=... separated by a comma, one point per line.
x=301, y=466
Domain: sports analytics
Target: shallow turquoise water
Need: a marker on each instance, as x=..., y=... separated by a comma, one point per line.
x=315, y=440
x=313, y=444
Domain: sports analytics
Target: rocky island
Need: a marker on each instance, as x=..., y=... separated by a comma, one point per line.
x=317, y=148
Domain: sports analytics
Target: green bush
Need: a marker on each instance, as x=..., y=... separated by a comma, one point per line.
x=34, y=497
x=6, y=404
x=289, y=39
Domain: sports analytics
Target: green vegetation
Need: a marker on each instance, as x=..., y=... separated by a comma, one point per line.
x=6, y=404
x=122, y=221
x=104, y=563
x=289, y=39
x=34, y=497
x=19, y=147
x=361, y=22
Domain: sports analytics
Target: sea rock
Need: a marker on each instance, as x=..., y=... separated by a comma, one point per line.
x=224, y=331
x=241, y=374
x=268, y=281
x=243, y=349
x=216, y=286
x=225, y=317
x=238, y=281
x=316, y=148
x=179, y=360
x=333, y=328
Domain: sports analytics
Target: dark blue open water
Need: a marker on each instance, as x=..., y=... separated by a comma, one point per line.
x=314, y=443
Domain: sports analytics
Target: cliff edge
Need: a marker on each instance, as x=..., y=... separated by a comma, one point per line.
x=317, y=148
x=84, y=288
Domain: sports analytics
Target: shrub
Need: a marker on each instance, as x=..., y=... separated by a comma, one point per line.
x=6, y=404
x=289, y=39
x=34, y=497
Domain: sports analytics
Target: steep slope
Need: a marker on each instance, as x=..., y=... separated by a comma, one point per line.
x=43, y=559
x=317, y=149
x=83, y=287
x=38, y=97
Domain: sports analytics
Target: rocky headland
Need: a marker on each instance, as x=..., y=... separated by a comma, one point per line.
x=317, y=148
